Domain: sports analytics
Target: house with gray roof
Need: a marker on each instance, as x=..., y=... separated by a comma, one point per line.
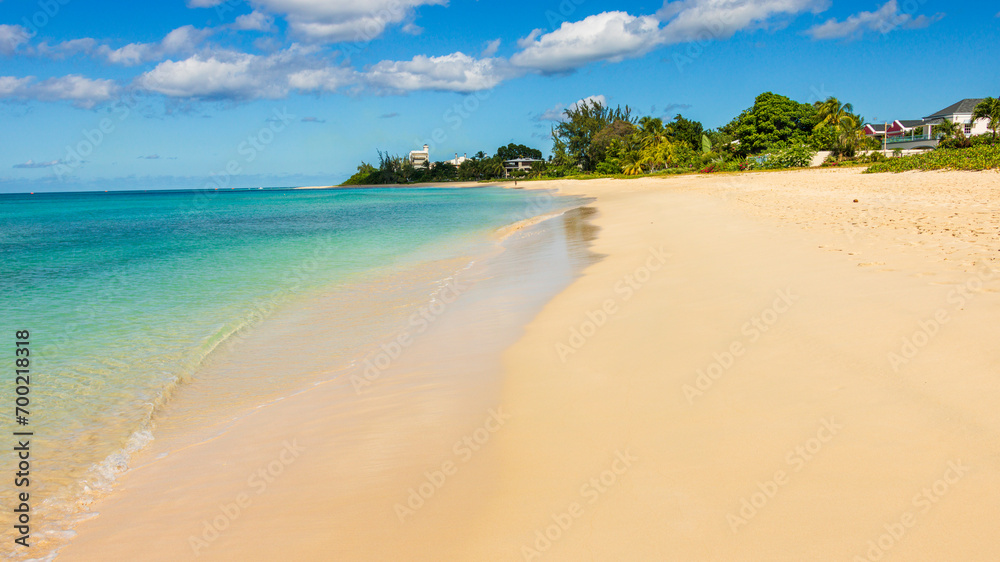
x=919, y=133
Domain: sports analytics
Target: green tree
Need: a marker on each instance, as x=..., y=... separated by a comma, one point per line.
x=850, y=134
x=831, y=112
x=839, y=119
x=686, y=131
x=513, y=151
x=445, y=171
x=617, y=130
x=573, y=136
x=774, y=121
x=951, y=133
x=363, y=176
x=988, y=109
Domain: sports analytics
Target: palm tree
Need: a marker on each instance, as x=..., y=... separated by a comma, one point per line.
x=841, y=117
x=633, y=168
x=651, y=131
x=631, y=163
x=949, y=129
x=851, y=133
x=651, y=125
x=989, y=108
x=831, y=112
x=494, y=168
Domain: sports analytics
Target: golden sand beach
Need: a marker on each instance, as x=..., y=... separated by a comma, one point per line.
x=763, y=367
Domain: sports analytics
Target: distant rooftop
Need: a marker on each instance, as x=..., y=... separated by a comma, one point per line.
x=964, y=106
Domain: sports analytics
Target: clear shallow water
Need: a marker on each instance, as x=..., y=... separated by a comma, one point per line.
x=127, y=295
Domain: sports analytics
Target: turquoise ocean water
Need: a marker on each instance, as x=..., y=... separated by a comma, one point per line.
x=127, y=294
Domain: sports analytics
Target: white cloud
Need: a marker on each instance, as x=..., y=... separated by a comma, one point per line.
x=241, y=76
x=615, y=36
x=885, y=19
x=611, y=36
x=220, y=75
x=558, y=112
x=456, y=72
x=491, y=48
x=701, y=20
x=30, y=164
x=83, y=92
x=412, y=29
x=328, y=79
x=11, y=86
x=204, y=3
x=343, y=20
x=183, y=40
x=67, y=48
x=254, y=21
x=12, y=37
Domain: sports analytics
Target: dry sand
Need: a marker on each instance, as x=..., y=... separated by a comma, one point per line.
x=759, y=368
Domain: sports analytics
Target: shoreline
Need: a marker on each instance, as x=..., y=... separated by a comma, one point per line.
x=754, y=367
x=428, y=381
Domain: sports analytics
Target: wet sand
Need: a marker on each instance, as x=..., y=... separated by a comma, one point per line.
x=757, y=368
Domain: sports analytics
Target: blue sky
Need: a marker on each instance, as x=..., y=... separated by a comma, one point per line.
x=107, y=94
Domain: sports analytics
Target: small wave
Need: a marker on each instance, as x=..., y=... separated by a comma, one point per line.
x=74, y=505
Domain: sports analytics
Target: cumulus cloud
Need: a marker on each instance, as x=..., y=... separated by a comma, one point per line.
x=611, y=36
x=615, y=36
x=701, y=20
x=243, y=76
x=456, y=72
x=183, y=40
x=558, y=112
x=11, y=86
x=67, y=48
x=218, y=75
x=346, y=20
x=885, y=19
x=83, y=92
x=329, y=79
x=254, y=21
x=491, y=49
x=12, y=37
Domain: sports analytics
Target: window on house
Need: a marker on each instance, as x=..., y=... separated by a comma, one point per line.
x=968, y=128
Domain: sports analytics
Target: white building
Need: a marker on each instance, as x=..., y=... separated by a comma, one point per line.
x=420, y=158
x=519, y=165
x=459, y=159
x=919, y=133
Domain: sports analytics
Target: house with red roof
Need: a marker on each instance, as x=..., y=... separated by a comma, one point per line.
x=907, y=134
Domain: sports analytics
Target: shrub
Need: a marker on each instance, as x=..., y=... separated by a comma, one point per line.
x=608, y=169
x=982, y=157
x=795, y=157
x=731, y=166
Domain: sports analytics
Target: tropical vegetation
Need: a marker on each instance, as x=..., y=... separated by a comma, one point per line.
x=989, y=109
x=776, y=132
x=980, y=157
